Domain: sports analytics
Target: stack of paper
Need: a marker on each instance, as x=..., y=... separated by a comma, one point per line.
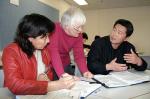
x=83, y=89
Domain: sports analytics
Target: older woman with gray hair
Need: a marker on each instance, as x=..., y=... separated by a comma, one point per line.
x=66, y=37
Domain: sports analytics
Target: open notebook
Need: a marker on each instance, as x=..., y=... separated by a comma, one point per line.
x=118, y=79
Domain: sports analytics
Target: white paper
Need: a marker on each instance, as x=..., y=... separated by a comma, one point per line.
x=83, y=89
x=125, y=78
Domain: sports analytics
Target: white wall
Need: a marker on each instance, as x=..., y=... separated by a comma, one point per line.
x=101, y=22
x=58, y=4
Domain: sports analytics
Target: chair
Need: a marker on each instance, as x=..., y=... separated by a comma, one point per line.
x=1, y=78
x=147, y=59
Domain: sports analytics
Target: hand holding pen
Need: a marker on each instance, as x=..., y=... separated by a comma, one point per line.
x=43, y=76
x=67, y=80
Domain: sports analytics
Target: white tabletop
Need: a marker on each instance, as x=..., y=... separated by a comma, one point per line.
x=6, y=94
x=139, y=91
x=128, y=92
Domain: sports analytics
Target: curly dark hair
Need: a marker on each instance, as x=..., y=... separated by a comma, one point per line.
x=32, y=25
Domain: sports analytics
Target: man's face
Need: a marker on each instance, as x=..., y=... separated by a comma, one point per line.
x=118, y=34
x=74, y=30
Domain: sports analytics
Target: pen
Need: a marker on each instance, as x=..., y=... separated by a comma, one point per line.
x=91, y=82
x=98, y=82
x=47, y=70
x=86, y=79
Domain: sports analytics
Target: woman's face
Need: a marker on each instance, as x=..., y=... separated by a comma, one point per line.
x=74, y=30
x=39, y=42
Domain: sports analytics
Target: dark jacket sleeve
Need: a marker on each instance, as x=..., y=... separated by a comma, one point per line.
x=142, y=67
x=94, y=60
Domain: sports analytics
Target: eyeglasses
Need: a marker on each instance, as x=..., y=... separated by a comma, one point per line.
x=78, y=28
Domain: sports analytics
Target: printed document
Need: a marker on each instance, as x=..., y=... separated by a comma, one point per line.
x=125, y=78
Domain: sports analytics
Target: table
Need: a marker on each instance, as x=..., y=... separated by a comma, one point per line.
x=129, y=92
x=139, y=91
x=6, y=94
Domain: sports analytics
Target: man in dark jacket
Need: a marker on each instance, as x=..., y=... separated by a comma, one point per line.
x=114, y=52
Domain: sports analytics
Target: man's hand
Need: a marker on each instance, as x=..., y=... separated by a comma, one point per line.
x=116, y=66
x=132, y=58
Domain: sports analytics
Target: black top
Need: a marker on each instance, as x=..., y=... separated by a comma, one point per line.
x=102, y=53
x=86, y=46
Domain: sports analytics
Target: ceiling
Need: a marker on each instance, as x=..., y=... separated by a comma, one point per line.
x=108, y=4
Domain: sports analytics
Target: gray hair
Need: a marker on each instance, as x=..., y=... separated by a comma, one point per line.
x=72, y=17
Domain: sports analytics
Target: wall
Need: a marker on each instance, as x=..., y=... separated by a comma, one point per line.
x=61, y=5
x=101, y=22
x=11, y=14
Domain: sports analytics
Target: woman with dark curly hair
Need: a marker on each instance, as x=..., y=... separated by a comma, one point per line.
x=27, y=62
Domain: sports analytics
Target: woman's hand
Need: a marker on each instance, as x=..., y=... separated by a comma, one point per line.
x=43, y=77
x=66, y=81
x=88, y=75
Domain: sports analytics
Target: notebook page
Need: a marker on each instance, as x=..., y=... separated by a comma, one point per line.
x=110, y=81
x=130, y=77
